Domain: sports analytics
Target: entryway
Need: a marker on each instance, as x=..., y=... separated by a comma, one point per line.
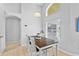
x=12, y=31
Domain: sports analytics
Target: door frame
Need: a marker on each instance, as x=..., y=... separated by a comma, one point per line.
x=18, y=17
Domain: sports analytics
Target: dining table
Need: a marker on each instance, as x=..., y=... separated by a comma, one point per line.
x=43, y=43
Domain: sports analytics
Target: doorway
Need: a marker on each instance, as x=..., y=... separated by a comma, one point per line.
x=12, y=31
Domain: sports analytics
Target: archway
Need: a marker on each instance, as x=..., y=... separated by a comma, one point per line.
x=52, y=8
x=12, y=30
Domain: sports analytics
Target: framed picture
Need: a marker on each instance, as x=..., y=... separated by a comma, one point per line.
x=78, y=24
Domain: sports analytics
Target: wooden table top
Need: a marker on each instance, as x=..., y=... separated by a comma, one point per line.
x=44, y=42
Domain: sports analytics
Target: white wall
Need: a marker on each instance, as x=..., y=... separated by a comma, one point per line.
x=2, y=30
x=69, y=38
x=12, y=7
x=27, y=18
x=4, y=9
x=74, y=35
x=33, y=23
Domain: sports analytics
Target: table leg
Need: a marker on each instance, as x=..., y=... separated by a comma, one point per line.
x=52, y=51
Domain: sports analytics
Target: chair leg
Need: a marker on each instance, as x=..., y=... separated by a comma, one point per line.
x=45, y=52
x=41, y=53
x=56, y=49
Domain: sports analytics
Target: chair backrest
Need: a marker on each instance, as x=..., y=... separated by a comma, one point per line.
x=31, y=40
x=32, y=43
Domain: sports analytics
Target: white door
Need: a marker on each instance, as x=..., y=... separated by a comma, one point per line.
x=12, y=29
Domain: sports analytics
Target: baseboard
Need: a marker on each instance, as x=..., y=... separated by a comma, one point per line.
x=69, y=53
x=2, y=51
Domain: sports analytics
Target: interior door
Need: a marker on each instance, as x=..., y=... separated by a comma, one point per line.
x=12, y=29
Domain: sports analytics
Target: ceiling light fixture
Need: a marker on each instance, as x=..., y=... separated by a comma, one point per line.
x=36, y=14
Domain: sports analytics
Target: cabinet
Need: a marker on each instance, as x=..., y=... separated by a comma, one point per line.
x=53, y=29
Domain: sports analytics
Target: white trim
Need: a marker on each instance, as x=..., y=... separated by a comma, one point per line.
x=69, y=53
x=46, y=30
x=48, y=8
x=13, y=14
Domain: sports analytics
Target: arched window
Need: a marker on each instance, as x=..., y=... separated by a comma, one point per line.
x=52, y=8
